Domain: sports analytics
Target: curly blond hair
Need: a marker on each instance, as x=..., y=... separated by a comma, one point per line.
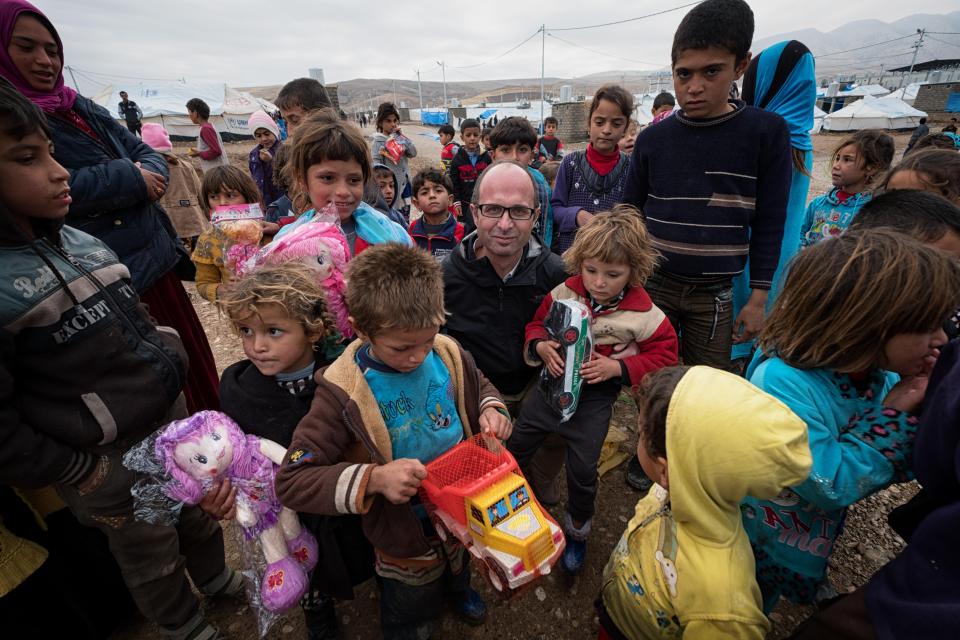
x=290, y=285
x=616, y=236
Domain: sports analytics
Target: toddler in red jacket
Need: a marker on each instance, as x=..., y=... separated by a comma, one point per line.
x=612, y=258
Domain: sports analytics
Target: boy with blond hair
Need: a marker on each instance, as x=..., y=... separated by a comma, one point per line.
x=397, y=398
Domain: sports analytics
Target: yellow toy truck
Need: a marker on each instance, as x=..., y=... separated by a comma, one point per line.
x=476, y=493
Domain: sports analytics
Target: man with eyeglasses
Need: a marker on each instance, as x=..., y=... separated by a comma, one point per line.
x=495, y=280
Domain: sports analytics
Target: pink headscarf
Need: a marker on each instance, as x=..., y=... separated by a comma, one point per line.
x=61, y=97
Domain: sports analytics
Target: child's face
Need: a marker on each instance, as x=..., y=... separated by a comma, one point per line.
x=908, y=179
x=390, y=124
x=607, y=126
x=486, y=141
x=336, y=181
x=32, y=183
x=445, y=139
x=194, y=117
x=275, y=342
x=550, y=129
x=432, y=198
x=402, y=349
x=471, y=138
x=264, y=138
x=294, y=117
x=225, y=196
x=386, y=188
x=849, y=173
x=626, y=142
x=911, y=354
x=604, y=280
x=519, y=151
x=654, y=467
x=702, y=79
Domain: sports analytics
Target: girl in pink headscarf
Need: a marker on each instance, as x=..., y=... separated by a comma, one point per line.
x=116, y=182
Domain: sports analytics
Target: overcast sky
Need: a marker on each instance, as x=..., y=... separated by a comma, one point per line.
x=244, y=42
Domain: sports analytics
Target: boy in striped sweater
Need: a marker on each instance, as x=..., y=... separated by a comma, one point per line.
x=712, y=183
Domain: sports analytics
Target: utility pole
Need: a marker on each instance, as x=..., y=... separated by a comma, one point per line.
x=443, y=69
x=543, y=51
x=419, y=89
x=916, y=50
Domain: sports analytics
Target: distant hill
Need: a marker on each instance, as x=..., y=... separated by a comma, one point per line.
x=366, y=93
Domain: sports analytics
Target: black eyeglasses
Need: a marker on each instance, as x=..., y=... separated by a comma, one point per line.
x=517, y=211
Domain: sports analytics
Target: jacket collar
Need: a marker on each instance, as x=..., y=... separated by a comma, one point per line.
x=634, y=299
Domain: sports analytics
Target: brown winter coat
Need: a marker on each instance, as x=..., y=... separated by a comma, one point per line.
x=339, y=442
x=181, y=200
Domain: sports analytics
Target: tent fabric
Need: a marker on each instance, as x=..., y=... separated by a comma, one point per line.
x=908, y=93
x=433, y=117
x=874, y=113
x=488, y=113
x=164, y=103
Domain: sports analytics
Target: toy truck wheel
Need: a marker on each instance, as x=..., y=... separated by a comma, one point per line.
x=569, y=336
x=497, y=576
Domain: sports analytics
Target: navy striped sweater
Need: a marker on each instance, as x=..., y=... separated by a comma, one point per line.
x=714, y=192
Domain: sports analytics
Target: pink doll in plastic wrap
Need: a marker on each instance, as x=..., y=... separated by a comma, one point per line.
x=322, y=247
x=209, y=446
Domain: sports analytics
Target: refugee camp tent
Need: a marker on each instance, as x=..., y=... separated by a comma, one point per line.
x=874, y=113
x=165, y=103
x=873, y=90
x=434, y=116
x=908, y=93
x=818, y=116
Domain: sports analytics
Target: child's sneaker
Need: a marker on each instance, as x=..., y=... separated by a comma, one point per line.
x=574, y=555
x=320, y=617
x=471, y=608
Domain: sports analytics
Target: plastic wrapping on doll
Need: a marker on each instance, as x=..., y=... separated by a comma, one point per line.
x=186, y=458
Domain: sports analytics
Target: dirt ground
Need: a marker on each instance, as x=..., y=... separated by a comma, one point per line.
x=557, y=607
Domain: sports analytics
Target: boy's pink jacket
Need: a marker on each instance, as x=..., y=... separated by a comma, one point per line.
x=636, y=332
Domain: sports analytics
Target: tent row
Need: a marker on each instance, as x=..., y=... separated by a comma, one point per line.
x=165, y=103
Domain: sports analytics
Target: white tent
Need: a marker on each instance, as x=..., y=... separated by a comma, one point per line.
x=873, y=90
x=908, y=93
x=818, y=116
x=874, y=113
x=165, y=103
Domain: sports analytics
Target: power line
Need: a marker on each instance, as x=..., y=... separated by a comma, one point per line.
x=866, y=46
x=508, y=51
x=952, y=44
x=649, y=15
x=601, y=53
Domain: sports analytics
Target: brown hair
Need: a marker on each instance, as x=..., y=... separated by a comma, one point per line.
x=845, y=297
x=653, y=401
x=549, y=170
x=874, y=149
x=318, y=139
x=615, y=236
x=938, y=170
x=225, y=175
x=393, y=286
x=615, y=94
x=290, y=285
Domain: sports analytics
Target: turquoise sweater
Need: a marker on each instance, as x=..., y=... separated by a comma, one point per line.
x=858, y=447
x=826, y=216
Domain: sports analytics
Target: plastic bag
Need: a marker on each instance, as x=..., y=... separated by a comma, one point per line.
x=396, y=147
x=241, y=225
x=185, y=459
x=567, y=322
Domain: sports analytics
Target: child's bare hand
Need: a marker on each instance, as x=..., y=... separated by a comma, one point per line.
x=600, y=368
x=397, y=481
x=384, y=152
x=907, y=394
x=547, y=350
x=265, y=155
x=221, y=501
x=269, y=228
x=583, y=217
x=494, y=423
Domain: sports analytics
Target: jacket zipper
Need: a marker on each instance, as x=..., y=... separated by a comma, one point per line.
x=116, y=307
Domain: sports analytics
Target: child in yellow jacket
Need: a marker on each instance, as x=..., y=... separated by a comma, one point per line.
x=684, y=567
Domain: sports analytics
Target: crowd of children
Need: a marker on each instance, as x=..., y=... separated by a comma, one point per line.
x=849, y=363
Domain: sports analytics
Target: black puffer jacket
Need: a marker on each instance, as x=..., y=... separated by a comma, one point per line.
x=110, y=199
x=82, y=365
x=488, y=316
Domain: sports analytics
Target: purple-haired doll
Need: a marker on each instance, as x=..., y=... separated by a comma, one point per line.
x=209, y=446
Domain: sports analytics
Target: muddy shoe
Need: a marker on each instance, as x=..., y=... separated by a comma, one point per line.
x=635, y=476
x=471, y=608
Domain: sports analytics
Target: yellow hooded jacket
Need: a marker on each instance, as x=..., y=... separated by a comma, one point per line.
x=684, y=567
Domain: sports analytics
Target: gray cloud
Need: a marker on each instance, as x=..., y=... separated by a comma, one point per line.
x=253, y=43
